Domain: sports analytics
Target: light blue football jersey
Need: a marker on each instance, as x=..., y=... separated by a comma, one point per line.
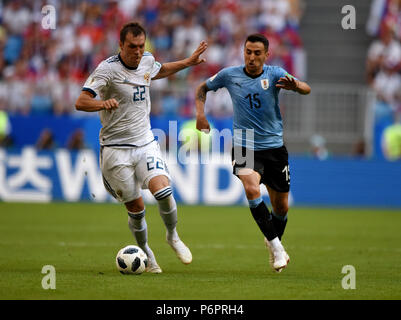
x=255, y=104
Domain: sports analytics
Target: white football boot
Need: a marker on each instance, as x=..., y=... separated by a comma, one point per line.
x=278, y=259
x=153, y=267
x=181, y=250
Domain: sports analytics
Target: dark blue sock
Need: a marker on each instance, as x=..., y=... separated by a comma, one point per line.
x=263, y=218
x=280, y=223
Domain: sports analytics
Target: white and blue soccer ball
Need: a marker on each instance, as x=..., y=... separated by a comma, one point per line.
x=131, y=260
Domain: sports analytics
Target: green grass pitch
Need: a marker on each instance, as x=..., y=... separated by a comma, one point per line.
x=229, y=258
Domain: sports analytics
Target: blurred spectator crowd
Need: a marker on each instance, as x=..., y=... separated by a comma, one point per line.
x=384, y=56
x=384, y=71
x=42, y=71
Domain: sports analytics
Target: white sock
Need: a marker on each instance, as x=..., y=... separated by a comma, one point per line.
x=137, y=225
x=168, y=211
x=276, y=244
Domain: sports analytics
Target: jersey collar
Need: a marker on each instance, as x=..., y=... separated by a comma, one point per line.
x=253, y=76
x=123, y=63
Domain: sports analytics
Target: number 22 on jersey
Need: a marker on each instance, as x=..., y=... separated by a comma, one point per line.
x=139, y=93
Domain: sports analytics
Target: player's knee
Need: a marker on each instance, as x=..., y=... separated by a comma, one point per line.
x=280, y=208
x=157, y=183
x=252, y=191
x=136, y=205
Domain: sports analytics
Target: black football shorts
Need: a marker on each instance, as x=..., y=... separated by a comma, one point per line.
x=271, y=164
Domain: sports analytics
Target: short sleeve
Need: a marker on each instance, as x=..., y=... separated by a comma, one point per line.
x=217, y=81
x=280, y=73
x=98, y=80
x=155, y=69
x=152, y=65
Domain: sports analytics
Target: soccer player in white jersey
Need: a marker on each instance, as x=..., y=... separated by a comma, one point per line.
x=130, y=158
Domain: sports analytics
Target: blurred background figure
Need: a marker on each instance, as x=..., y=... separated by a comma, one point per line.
x=318, y=147
x=5, y=130
x=194, y=139
x=383, y=70
x=77, y=140
x=46, y=140
x=392, y=142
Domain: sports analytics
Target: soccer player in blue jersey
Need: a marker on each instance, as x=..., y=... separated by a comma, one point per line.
x=259, y=154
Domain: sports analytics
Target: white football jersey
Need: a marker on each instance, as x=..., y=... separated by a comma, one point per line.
x=129, y=124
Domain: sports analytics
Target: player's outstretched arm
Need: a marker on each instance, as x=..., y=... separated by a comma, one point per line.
x=170, y=68
x=290, y=83
x=86, y=102
x=201, y=122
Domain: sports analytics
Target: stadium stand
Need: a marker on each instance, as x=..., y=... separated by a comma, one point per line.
x=47, y=69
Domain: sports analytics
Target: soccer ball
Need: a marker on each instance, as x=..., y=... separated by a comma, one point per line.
x=131, y=260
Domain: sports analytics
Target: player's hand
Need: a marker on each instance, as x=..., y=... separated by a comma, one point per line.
x=202, y=124
x=110, y=104
x=195, y=58
x=287, y=83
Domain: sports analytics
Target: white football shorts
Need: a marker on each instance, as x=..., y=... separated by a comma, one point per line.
x=128, y=170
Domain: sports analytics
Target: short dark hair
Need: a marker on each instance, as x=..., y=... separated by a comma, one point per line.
x=258, y=37
x=132, y=27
